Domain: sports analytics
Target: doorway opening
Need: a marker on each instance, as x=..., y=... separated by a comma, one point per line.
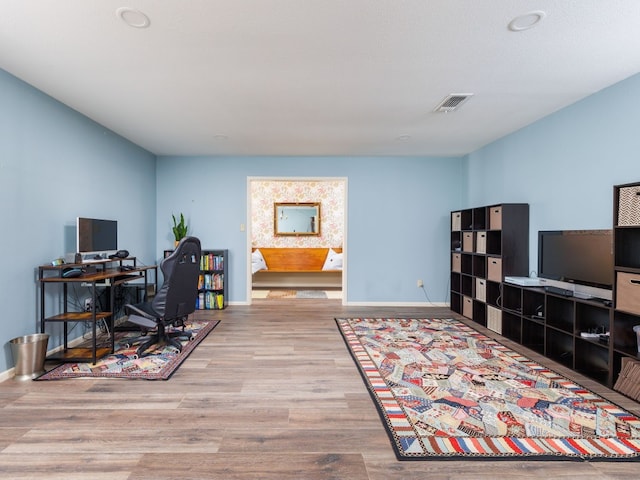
x=287, y=276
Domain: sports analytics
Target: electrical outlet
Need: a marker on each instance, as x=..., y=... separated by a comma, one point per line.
x=420, y=284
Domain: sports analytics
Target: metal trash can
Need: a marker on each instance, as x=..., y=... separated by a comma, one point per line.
x=29, y=353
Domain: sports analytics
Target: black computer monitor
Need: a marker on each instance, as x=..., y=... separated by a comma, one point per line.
x=96, y=236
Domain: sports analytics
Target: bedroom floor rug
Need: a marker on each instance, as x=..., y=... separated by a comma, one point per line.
x=446, y=390
x=124, y=364
x=286, y=294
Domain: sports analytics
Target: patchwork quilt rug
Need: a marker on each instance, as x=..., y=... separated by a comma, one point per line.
x=446, y=390
x=159, y=365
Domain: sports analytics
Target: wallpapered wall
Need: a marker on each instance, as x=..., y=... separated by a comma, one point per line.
x=330, y=194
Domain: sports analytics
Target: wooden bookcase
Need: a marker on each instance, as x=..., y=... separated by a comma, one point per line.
x=487, y=244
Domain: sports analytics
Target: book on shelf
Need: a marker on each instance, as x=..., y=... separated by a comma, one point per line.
x=220, y=301
x=211, y=281
x=210, y=300
x=211, y=261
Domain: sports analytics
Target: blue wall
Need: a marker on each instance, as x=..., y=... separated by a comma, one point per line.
x=56, y=165
x=565, y=165
x=398, y=216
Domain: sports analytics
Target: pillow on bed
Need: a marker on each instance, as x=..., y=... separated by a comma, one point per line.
x=257, y=262
x=333, y=261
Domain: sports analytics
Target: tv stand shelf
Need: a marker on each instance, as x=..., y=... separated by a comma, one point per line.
x=551, y=321
x=552, y=325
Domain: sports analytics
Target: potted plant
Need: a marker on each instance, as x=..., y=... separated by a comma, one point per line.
x=179, y=228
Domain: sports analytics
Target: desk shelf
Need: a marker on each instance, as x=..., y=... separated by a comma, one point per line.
x=78, y=317
x=79, y=354
x=97, y=275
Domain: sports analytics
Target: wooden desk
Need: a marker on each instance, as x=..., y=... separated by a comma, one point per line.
x=100, y=274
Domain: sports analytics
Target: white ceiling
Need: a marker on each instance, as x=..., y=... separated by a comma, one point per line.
x=317, y=77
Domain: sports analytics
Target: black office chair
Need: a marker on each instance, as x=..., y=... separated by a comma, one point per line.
x=174, y=301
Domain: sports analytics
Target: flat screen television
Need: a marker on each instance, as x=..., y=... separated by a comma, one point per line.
x=96, y=236
x=582, y=257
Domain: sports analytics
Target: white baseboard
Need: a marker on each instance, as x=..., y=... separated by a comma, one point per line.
x=7, y=374
x=374, y=304
x=396, y=304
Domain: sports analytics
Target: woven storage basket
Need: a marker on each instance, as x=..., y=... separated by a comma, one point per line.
x=629, y=206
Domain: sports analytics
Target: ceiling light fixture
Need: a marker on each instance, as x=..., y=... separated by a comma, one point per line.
x=403, y=138
x=526, y=21
x=132, y=17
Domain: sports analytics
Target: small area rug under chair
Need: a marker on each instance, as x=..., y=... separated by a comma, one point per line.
x=445, y=390
x=123, y=363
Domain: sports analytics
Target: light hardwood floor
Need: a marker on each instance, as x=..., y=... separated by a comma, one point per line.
x=271, y=393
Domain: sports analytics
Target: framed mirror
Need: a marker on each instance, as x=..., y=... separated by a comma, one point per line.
x=296, y=218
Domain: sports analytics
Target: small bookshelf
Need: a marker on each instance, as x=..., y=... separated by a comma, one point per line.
x=212, y=281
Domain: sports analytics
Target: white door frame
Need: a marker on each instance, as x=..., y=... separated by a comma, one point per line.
x=250, y=180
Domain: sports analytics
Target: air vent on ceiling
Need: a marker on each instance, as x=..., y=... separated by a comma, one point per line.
x=452, y=102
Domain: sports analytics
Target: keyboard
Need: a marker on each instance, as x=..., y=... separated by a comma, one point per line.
x=93, y=260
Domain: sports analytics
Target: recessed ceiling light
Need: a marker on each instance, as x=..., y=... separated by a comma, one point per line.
x=403, y=138
x=220, y=137
x=132, y=17
x=526, y=21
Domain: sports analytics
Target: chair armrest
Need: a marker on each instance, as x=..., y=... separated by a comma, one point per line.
x=142, y=321
x=140, y=317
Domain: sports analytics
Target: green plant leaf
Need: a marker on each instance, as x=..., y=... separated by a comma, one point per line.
x=179, y=228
